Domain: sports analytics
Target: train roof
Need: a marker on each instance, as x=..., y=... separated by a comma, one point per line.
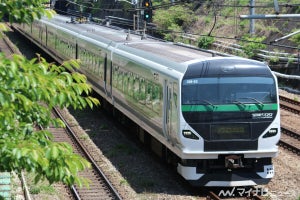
x=167, y=54
x=159, y=49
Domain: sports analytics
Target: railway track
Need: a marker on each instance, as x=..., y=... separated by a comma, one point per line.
x=6, y=45
x=290, y=139
x=290, y=105
x=99, y=187
x=212, y=198
x=8, y=48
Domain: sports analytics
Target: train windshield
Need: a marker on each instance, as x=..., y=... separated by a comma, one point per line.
x=228, y=90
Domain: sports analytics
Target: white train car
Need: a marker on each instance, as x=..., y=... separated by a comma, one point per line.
x=217, y=116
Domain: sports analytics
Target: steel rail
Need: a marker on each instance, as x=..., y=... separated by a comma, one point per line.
x=289, y=132
x=91, y=160
x=289, y=104
x=292, y=134
x=289, y=147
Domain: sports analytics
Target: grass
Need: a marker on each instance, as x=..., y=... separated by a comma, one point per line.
x=124, y=182
x=42, y=188
x=84, y=137
x=46, y=189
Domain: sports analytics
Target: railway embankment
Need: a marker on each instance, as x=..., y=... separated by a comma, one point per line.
x=144, y=171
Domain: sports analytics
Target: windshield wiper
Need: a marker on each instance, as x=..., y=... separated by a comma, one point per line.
x=238, y=102
x=257, y=101
x=203, y=100
x=207, y=103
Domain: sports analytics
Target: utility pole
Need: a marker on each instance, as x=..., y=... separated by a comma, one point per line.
x=267, y=16
x=252, y=21
x=276, y=7
x=137, y=17
x=138, y=14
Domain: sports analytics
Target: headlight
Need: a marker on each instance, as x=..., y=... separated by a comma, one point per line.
x=189, y=134
x=272, y=132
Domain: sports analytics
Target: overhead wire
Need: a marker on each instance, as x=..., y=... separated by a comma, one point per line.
x=180, y=2
x=229, y=38
x=214, y=5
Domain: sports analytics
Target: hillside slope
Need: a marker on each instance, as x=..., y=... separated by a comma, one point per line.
x=228, y=24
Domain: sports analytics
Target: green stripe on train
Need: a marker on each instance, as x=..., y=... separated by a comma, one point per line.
x=228, y=108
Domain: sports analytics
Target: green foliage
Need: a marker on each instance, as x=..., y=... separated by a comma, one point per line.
x=243, y=24
x=251, y=44
x=296, y=38
x=30, y=89
x=205, y=42
x=174, y=19
x=123, y=182
x=207, y=20
x=38, y=189
x=24, y=11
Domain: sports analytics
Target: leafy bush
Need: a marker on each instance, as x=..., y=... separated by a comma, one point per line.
x=251, y=44
x=296, y=39
x=205, y=42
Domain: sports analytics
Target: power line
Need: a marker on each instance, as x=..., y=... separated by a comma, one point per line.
x=229, y=38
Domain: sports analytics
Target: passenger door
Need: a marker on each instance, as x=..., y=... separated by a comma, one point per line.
x=171, y=120
x=167, y=109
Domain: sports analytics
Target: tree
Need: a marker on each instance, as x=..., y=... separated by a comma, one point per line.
x=29, y=90
x=173, y=21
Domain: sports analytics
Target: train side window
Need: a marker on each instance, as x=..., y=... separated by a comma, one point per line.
x=126, y=82
x=102, y=65
x=136, y=87
x=142, y=91
x=74, y=51
x=91, y=61
x=149, y=93
x=84, y=56
x=87, y=60
x=51, y=39
x=120, y=80
x=94, y=63
x=130, y=85
x=115, y=76
x=157, y=98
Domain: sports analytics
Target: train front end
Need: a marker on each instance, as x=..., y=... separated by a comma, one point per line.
x=230, y=123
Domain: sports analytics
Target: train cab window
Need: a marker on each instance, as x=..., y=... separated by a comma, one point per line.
x=228, y=90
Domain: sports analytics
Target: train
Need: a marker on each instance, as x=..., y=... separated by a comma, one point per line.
x=217, y=118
